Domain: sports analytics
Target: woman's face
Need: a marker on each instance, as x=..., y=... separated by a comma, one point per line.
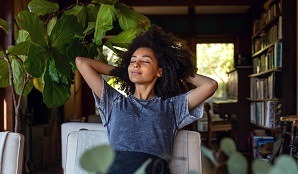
x=143, y=68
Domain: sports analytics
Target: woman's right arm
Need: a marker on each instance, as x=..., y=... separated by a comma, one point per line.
x=91, y=69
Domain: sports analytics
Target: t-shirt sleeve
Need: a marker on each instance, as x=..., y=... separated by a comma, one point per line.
x=182, y=113
x=105, y=103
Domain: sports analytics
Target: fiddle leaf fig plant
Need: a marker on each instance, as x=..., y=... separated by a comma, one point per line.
x=49, y=39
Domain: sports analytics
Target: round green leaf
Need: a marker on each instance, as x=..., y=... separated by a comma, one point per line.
x=42, y=7
x=4, y=25
x=260, y=166
x=237, y=164
x=209, y=154
x=228, y=146
x=285, y=164
x=98, y=159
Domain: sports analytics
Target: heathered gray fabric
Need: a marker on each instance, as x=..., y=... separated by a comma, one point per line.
x=147, y=126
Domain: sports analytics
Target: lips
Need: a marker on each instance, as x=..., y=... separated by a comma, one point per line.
x=136, y=72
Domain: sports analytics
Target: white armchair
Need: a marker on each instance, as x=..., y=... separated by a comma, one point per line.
x=11, y=150
x=187, y=145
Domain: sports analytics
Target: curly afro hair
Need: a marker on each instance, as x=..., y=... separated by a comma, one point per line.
x=173, y=56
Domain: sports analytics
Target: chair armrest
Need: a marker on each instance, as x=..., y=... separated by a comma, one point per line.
x=13, y=152
x=187, y=145
x=67, y=128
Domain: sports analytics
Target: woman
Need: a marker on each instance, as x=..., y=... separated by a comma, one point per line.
x=155, y=73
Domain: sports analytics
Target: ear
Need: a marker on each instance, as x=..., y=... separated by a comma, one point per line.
x=159, y=73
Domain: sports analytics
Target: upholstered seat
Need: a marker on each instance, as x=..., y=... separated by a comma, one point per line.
x=186, y=146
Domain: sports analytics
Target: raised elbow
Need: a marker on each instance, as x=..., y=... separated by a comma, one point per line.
x=213, y=85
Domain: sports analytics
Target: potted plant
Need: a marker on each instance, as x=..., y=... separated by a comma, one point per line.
x=49, y=39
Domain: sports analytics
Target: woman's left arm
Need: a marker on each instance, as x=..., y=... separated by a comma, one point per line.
x=205, y=88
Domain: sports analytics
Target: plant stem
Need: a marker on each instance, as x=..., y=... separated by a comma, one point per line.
x=14, y=95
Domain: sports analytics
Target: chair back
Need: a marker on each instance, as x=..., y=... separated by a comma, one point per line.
x=207, y=109
x=187, y=145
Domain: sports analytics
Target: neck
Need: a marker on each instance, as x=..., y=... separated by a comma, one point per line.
x=144, y=93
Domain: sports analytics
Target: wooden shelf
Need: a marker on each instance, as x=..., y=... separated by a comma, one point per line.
x=275, y=130
x=263, y=100
x=266, y=26
x=265, y=49
x=264, y=73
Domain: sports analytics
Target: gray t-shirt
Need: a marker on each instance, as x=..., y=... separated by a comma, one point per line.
x=147, y=126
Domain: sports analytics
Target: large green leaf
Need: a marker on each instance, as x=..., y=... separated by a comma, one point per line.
x=237, y=164
x=35, y=63
x=4, y=75
x=98, y=159
x=92, y=11
x=21, y=48
x=4, y=25
x=59, y=68
x=76, y=49
x=22, y=36
x=33, y=25
x=129, y=18
x=79, y=12
x=104, y=22
x=42, y=7
x=54, y=94
x=90, y=28
x=124, y=38
x=227, y=145
x=51, y=24
x=63, y=32
x=19, y=76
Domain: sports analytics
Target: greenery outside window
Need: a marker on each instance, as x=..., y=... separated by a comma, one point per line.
x=214, y=60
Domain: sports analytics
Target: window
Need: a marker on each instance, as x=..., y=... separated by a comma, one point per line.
x=214, y=60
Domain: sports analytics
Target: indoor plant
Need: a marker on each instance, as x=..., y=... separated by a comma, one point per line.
x=50, y=39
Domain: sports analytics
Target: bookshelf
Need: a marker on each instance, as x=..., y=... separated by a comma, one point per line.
x=273, y=81
x=266, y=81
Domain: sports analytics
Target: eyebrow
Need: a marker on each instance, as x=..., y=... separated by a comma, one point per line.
x=147, y=56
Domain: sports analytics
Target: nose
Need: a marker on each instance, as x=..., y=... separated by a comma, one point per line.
x=136, y=64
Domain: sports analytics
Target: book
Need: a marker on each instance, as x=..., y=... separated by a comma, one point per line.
x=262, y=147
